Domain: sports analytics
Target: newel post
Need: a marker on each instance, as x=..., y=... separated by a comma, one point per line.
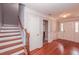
x=27, y=43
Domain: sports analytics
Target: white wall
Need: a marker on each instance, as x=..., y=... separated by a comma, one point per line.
x=33, y=21
x=33, y=27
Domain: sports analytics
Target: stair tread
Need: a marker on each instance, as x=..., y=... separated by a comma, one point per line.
x=11, y=50
x=9, y=38
x=9, y=27
x=8, y=30
x=10, y=35
x=6, y=46
x=10, y=42
x=5, y=34
x=21, y=52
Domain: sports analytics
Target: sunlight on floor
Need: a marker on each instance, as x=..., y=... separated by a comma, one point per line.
x=61, y=48
x=75, y=51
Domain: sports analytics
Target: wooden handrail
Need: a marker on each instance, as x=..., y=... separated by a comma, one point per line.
x=27, y=36
x=19, y=23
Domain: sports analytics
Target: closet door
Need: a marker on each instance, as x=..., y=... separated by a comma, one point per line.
x=34, y=29
x=69, y=31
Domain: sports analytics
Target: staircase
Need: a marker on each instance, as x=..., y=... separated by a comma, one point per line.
x=11, y=41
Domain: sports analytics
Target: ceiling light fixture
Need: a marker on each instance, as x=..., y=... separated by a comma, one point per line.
x=65, y=15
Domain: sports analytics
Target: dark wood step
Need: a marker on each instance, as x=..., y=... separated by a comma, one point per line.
x=10, y=35
x=10, y=40
x=14, y=44
x=12, y=51
x=10, y=32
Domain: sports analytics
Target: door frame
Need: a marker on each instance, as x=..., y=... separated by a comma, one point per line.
x=43, y=31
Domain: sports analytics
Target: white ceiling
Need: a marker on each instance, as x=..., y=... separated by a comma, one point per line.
x=56, y=9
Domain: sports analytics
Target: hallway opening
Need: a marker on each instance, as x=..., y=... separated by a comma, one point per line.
x=45, y=32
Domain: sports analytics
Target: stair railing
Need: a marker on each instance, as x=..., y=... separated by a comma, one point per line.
x=25, y=34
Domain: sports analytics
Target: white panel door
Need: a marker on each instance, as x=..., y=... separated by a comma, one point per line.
x=69, y=30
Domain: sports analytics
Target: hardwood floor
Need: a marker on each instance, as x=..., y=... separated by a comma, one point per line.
x=58, y=47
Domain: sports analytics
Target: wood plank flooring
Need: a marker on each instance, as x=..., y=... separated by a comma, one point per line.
x=58, y=47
